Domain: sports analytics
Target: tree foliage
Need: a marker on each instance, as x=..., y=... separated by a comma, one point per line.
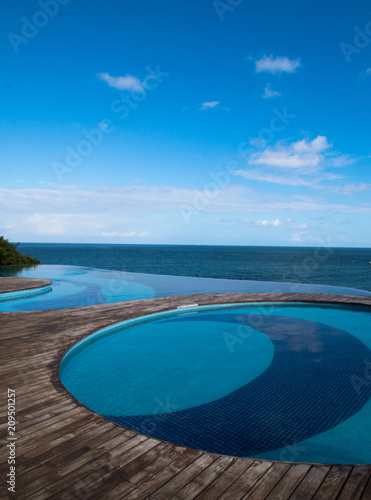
x=10, y=256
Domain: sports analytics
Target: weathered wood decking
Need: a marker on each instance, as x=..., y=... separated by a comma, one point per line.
x=66, y=451
x=13, y=284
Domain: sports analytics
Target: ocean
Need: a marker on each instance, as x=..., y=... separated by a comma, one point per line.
x=348, y=267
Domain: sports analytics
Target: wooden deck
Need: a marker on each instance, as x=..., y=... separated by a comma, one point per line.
x=65, y=451
x=10, y=284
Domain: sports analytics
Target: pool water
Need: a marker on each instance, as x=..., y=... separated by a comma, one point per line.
x=277, y=381
x=75, y=286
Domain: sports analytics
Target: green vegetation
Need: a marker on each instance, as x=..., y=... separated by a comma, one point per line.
x=10, y=256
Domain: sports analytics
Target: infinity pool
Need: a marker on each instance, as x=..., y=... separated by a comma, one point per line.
x=75, y=286
x=275, y=381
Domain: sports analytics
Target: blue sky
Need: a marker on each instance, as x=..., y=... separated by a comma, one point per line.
x=236, y=122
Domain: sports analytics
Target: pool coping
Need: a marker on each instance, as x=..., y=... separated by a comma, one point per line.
x=34, y=363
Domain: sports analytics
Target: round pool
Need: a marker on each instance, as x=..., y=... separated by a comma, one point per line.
x=278, y=381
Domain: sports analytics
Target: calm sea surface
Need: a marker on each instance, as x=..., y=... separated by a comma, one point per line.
x=349, y=267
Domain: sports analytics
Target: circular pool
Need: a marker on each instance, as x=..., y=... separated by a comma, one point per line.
x=277, y=381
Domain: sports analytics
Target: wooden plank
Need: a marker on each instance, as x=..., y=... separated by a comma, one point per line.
x=25, y=418
x=16, y=283
x=225, y=480
x=246, y=481
x=367, y=493
x=120, y=492
x=175, y=484
x=142, y=476
x=31, y=371
x=118, y=458
x=29, y=360
x=81, y=466
x=124, y=470
x=193, y=488
x=153, y=483
x=175, y=453
x=356, y=484
x=267, y=482
x=51, y=432
x=24, y=397
x=145, y=461
x=67, y=454
x=311, y=483
x=23, y=414
x=46, y=394
x=333, y=483
x=43, y=416
x=289, y=482
x=39, y=427
x=66, y=443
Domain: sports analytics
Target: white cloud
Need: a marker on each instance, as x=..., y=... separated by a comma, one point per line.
x=341, y=161
x=283, y=179
x=267, y=223
x=270, y=223
x=296, y=238
x=269, y=93
x=285, y=159
x=128, y=82
x=299, y=154
x=59, y=223
x=130, y=234
x=303, y=163
x=209, y=105
x=352, y=188
x=123, y=211
x=277, y=64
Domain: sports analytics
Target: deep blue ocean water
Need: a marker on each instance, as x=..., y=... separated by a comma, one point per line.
x=349, y=267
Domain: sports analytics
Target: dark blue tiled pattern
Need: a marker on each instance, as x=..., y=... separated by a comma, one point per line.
x=310, y=387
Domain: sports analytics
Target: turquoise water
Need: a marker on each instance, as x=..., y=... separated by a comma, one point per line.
x=279, y=382
x=75, y=286
x=119, y=382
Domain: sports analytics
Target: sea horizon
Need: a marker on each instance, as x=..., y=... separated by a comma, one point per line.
x=188, y=245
